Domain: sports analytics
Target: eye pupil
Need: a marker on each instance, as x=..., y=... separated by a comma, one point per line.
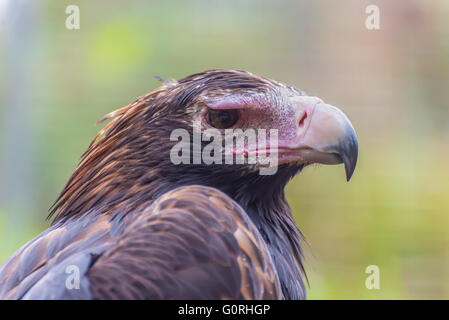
x=225, y=117
x=222, y=119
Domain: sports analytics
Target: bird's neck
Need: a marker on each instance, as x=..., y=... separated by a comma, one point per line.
x=272, y=217
x=263, y=198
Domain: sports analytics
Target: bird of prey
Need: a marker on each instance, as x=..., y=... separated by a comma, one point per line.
x=131, y=223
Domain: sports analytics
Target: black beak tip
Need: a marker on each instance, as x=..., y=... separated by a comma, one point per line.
x=349, y=155
x=349, y=172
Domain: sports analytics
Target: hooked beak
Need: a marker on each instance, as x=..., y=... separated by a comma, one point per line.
x=325, y=135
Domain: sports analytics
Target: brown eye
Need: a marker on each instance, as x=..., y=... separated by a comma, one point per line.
x=222, y=119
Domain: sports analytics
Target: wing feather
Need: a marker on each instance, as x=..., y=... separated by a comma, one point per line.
x=192, y=243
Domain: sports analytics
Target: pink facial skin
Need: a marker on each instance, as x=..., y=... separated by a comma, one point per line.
x=309, y=130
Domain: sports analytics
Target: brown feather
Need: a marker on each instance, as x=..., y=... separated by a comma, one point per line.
x=140, y=227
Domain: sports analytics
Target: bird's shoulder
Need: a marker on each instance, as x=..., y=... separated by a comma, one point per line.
x=191, y=242
x=39, y=269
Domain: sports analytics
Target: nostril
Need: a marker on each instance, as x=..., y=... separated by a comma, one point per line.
x=302, y=119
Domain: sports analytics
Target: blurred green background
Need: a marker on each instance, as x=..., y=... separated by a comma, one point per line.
x=393, y=83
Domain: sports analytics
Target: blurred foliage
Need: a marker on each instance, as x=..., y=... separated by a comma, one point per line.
x=393, y=84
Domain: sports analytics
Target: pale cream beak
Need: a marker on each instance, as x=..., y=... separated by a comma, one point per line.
x=326, y=135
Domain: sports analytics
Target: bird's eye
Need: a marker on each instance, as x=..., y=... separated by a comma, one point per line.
x=222, y=119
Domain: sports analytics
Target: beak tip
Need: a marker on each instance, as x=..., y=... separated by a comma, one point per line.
x=349, y=174
x=350, y=156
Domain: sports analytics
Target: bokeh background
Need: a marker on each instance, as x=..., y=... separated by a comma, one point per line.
x=393, y=83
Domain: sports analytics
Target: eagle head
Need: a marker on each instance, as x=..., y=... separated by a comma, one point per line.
x=241, y=133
